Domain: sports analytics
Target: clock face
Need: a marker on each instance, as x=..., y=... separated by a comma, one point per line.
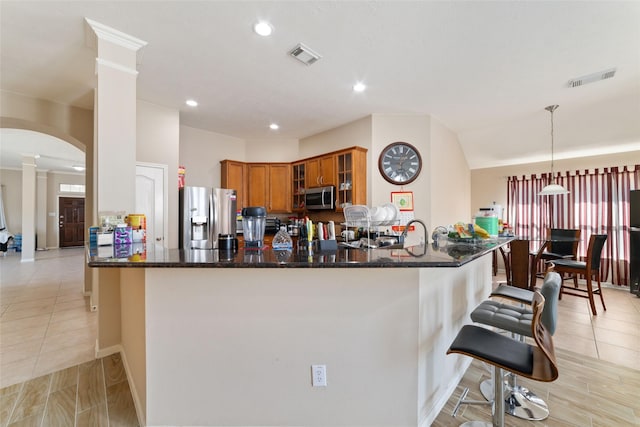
x=400, y=163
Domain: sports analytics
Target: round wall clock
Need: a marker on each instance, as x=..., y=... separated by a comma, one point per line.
x=400, y=163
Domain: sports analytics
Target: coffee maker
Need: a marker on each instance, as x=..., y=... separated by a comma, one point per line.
x=205, y=214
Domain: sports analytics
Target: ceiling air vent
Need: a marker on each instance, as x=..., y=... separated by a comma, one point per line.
x=305, y=55
x=600, y=75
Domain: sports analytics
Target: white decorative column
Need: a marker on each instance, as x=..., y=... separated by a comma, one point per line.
x=28, y=208
x=114, y=158
x=41, y=210
x=115, y=117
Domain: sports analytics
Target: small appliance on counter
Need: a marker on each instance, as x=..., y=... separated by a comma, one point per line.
x=254, y=221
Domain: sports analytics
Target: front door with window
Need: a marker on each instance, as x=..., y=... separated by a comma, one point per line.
x=71, y=221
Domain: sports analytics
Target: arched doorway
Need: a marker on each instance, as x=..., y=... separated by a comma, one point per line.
x=60, y=167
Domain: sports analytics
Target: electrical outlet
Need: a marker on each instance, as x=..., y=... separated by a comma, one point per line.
x=319, y=375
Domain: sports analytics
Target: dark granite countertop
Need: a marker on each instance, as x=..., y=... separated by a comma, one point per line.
x=140, y=255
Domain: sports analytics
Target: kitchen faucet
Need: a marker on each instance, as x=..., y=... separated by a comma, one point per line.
x=406, y=230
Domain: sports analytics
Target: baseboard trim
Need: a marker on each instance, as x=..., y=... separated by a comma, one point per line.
x=440, y=404
x=108, y=351
x=134, y=392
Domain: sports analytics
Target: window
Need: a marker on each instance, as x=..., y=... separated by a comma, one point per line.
x=72, y=188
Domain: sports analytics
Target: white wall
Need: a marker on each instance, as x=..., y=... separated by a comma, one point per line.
x=158, y=141
x=271, y=150
x=201, y=152
x=415, y=130
x=450, y=178
x=356, y=133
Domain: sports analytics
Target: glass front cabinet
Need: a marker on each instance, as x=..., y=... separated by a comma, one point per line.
x=298, y=170
x=351, y=183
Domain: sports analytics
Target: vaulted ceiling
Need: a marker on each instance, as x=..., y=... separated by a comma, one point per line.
x=484, y=69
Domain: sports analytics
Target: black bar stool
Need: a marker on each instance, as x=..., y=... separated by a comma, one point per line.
x=536, y=362
x=520, y=402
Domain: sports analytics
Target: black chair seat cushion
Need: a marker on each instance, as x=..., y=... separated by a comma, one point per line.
x=524, y=296
x=493, y=348
x=504, y=316
x=555, y=255
x=570, y=263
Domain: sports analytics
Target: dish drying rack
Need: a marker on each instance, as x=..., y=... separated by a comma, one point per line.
x=359, y=216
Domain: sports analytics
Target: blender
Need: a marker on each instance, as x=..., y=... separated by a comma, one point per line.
x=254, y=219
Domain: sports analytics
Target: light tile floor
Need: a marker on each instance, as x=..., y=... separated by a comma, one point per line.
x=45, y=323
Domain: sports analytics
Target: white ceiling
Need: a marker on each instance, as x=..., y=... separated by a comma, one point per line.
x=484, y=69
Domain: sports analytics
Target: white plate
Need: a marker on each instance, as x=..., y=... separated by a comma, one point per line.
x=378, y=213
x=393, y=211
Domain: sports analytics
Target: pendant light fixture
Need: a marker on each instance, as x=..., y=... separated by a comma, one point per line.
x=552, y=189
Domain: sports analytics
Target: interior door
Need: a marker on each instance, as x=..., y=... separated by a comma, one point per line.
x=71, y=221
x=151, y=194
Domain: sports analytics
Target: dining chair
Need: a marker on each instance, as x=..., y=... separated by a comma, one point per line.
x=559, y=248
x=560, y=243
x=586, y=268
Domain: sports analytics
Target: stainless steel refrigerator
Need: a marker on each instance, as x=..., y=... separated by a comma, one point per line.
x=634, y=243
x=204, y=214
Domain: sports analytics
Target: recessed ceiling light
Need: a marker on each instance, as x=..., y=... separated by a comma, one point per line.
x=191, y=103
x=359, y=87
x=263, y=28
x=274, y=126
x=79, y=168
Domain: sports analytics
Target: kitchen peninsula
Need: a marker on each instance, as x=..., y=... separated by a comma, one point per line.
x=216, y=339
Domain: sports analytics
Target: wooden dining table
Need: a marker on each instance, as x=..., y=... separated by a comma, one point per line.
x=520, y=264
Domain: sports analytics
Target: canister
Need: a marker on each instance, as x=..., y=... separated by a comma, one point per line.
x=138, y=224
x=487, y=218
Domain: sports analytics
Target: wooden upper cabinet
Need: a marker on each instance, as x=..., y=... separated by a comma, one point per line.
x=321, y=171
x=258, y=183
x=233, y=175
x=280, y=187
x=298, y=171
x=269, y=185
x=351, y=181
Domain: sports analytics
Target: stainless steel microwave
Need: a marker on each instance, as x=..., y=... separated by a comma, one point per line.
x=320, y=198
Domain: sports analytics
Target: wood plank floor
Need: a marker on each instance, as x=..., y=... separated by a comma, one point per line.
x=94, y=393
x=588, y=393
